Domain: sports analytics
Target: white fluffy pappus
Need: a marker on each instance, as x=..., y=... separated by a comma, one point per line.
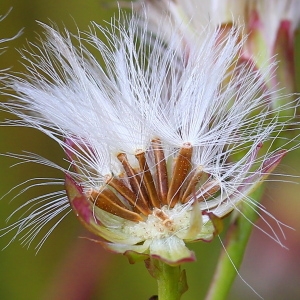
x=161, y=147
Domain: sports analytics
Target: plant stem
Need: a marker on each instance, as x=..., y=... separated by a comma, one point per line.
x=236, y=243
x=171, y=280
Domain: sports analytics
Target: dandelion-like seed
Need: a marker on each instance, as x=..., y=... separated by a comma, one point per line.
x=160, y=150
x=270, y=27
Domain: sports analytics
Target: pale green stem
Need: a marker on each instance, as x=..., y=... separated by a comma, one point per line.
x=171, y=280
x=235, y=245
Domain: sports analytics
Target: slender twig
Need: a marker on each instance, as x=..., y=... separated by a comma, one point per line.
x=236, y=242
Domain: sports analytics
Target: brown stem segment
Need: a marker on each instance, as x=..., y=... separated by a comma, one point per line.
x=180, y=171
x=108, y=201
x=161, y=171
x=147, y=179
x=129, y=195
x=135, y=183
x=195, y=178
x=205, y=191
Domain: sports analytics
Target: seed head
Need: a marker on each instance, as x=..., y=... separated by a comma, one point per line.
x=159, y=149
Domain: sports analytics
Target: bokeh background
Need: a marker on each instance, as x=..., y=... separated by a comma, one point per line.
x=69, y=267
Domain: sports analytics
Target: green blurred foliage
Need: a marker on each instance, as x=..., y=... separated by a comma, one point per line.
x=66, y=261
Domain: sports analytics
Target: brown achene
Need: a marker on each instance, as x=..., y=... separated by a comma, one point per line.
x=146, y=193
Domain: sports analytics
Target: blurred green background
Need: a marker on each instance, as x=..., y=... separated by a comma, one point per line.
x=68, y=267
